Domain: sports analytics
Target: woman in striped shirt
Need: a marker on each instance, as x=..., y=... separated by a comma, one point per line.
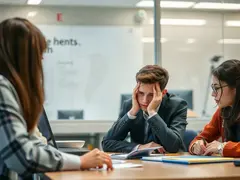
x=21, y=100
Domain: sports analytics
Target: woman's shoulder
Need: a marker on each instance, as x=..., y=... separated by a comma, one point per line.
x=7, y=90
x=5, y=82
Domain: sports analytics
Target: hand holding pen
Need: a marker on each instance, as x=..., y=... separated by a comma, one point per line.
x=199, y=147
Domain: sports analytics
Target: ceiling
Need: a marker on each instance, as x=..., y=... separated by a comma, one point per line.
x=114, y=3
x=126, y=3
x=12, y=1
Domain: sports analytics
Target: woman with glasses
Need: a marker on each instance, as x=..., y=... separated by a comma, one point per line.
x=21, y=100
x=225, y=123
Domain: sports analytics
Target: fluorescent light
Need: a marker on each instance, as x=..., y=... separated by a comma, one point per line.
x=145, y=4
x=233, y=23
x=167, y=4
x=163, y=40
x=211, y=5
x=229, y=41
x=31, y=13
x=34, y=2
x=176, y=4
x=181, y=22
x=190, y=41
x=151, y=40
x=185, y=22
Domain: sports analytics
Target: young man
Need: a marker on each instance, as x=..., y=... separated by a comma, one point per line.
x=152, y=117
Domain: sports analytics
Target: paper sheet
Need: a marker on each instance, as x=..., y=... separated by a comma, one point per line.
x=119, y=166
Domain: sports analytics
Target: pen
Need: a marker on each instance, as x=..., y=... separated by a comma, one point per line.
x=204, y=141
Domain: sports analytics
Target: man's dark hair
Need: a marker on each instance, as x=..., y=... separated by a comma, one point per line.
x=150, y=74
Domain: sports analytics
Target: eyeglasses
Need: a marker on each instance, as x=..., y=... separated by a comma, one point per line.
x=215, y=89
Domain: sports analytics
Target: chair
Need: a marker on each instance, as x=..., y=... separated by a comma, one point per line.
x=189, y=135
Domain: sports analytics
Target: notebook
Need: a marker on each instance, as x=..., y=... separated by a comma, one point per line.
x=136, y=154
x=157, y=158
x=189, y=159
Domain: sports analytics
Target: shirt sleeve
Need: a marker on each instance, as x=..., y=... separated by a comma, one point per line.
x=231, y=149
x=131, y=116
x=19, y=150
x=152, y=115
x=39, y=135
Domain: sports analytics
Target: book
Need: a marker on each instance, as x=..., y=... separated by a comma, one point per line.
x=136, y=154
x=157, y=158
x=190, y=159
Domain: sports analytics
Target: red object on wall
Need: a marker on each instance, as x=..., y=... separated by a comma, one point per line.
x=59, y=17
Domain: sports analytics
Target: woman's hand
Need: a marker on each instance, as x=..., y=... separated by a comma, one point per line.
x=96, y=159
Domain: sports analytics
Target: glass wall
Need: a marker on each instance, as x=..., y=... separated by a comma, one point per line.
x=93, y=56
x=95, y=49
x=197, y=36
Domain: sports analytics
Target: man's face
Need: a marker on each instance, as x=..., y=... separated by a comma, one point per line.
x=145, y=95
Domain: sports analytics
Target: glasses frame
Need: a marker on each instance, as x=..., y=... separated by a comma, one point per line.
x=215, y=89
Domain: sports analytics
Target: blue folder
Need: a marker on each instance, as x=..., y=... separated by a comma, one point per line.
x=189, y=159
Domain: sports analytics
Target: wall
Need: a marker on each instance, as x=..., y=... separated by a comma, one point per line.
x=188, y=63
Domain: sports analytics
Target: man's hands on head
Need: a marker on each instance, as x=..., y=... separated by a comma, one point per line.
x=135, y=105
x=156, y=101
x=96, y=159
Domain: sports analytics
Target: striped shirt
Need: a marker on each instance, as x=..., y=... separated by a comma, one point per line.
x=23, y=154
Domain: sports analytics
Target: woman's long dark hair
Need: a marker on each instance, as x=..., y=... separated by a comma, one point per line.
x=229, y=72
x=21, y=51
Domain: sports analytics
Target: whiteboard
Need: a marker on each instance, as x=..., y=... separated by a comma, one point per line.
x=88, y=67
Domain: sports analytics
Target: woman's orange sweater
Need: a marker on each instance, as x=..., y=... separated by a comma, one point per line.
x=213, y=131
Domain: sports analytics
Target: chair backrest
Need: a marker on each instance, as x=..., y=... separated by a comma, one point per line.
x=186, y=94
x=46, y=130
x=70, y=114
x=189, y=135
